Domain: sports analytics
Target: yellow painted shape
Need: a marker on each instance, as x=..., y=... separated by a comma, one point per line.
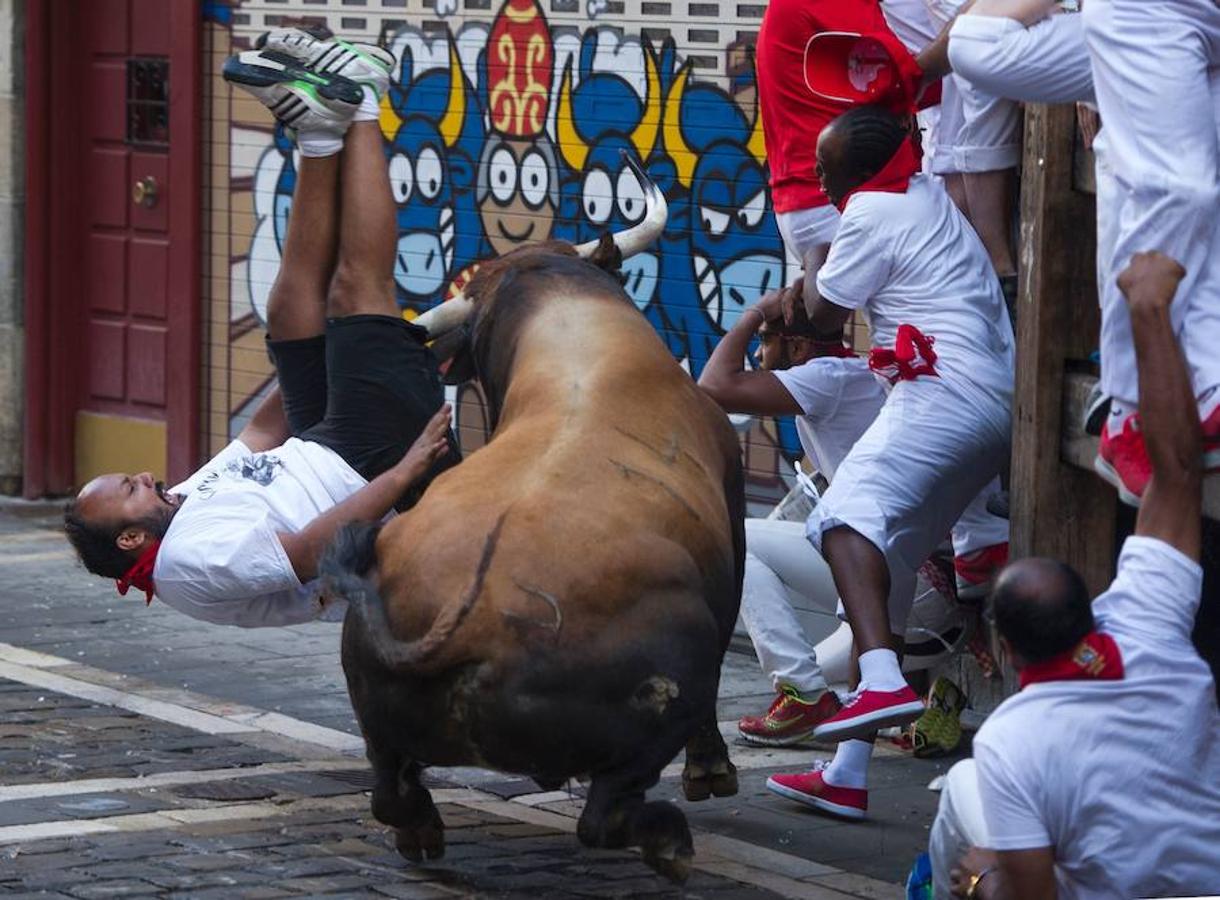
x=106, y=443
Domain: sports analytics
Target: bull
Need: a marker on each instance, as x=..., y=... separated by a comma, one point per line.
x=559, y=604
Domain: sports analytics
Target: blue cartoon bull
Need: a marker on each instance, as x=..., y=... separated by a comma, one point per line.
x=600, y=124
x=434, y=130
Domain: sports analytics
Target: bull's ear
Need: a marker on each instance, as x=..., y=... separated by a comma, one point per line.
x=456, y=360
x=607, y=256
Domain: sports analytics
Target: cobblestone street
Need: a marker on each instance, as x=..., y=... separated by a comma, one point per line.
x=146, y=754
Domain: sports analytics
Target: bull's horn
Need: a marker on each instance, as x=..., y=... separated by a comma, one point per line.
x=455, y=110
x=388, y=118
x=575, y=151
x=675, y=145
x=638, y=237
x=644, y=136
x=444, y=317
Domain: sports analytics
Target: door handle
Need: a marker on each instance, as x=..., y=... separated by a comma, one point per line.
x=144, y=192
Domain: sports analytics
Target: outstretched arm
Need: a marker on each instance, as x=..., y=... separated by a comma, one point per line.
x=727, y=381
x=371, y=502
x=1172, y=505
x=268, y=427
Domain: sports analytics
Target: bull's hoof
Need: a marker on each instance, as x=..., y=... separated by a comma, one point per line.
x=427, y=840
x=699, y=783
x=673, y=865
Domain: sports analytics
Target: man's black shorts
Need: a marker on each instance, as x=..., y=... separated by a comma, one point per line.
x=365, y=390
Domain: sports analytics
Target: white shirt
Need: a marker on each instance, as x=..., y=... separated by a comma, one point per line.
x=221, y=559
x=1121, y=777
x=913, y=258
x=839, y=398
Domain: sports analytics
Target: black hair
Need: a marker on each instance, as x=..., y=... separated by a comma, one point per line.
x=96, y=543
x=800, y=326
x=1042, y=608
x=872, y=135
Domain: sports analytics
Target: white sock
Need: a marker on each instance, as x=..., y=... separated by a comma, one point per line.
x=849, y=768
x=1119, y=412
x=879, y=669
x=370, y=108
x=319, y=143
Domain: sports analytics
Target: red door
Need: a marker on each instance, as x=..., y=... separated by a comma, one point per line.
x=117, y=344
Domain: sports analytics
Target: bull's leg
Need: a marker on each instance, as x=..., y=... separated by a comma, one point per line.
x=708, y=770
x=400, y=801
x=617, y=815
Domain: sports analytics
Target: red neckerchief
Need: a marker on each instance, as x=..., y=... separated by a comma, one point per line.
x=832, y=348
x=895, y=175
x=901, y=364
x=140, y=575
x=1095, y=658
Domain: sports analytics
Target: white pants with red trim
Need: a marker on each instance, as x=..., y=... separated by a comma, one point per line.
x=1156, y=71
x=1047, y=62
x=977, y=528
x=958, y=826
x=784, y=574
x=932, y=449
x=976, y=132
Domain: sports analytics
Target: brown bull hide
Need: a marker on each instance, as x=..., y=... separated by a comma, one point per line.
x=559, y=604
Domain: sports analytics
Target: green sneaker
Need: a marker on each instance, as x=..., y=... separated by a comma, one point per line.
x=297, y=96
x=365, y=64
x=939, y=730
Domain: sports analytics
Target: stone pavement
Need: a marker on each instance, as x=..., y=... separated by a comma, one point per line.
x=144, y=753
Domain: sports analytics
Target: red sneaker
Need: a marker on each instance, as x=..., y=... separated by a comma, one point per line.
x=789, y=721
x=1211, y=442
x=976, y=571
x=869, y=710
x=1122, y=460
x=811, y=789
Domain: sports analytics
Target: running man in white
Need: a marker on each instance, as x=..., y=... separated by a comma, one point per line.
x=906, y=257
x=1156, y=73
x=1076, y=791
x=361, y=426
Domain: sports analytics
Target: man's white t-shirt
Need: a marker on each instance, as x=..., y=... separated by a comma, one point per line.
x=912, y=258
x=839, y=398
x=1121, y=778
x=221, y=559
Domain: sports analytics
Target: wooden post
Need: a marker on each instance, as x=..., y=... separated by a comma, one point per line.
x=1057, y=510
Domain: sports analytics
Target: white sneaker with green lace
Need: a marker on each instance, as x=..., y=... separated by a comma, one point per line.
x=365, y=64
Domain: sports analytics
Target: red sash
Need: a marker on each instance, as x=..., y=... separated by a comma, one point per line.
x=911, y=357
x=836, y=349
x=1095, y=658
x=140, y=575
x=895, y=175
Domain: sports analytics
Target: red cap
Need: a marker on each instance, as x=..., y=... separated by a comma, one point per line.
x=855, y=69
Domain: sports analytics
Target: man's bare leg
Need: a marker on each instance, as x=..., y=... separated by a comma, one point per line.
x=990, y=198
x=363, y=282
x=862, y=578
x=955, y=187
x=296, y=307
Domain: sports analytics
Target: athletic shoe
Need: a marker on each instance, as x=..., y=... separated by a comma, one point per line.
x=939, y=730
x=869, y=710
x=1096, y=411
x=1211, y=442
x=365, y=64
x=1122, y=460
x=789, y=721
x=976, y=571
x=811, y=789
x=299, y=98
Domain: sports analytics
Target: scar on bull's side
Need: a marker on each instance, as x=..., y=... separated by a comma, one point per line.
x=629, y=471
x=669, y=455
x=523, y=623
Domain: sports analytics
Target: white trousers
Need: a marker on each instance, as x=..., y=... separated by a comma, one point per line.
x=1156, y=71
x=958, y=826
x=915, y=470
x=1047, y=62
x=804, y=230
x=784, y=574
x=976, y=133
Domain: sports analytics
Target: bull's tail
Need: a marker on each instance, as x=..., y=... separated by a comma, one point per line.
x=345, y=568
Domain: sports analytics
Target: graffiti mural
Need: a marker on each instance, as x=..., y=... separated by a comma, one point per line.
x=514, y=130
